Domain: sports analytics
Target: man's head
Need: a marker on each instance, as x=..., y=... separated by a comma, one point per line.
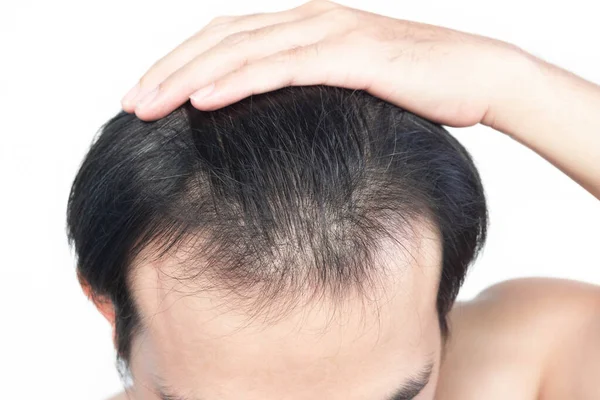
x=303, y=243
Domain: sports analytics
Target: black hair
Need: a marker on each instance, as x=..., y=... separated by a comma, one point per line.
x=296, y=183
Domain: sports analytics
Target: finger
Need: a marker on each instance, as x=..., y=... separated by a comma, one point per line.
x=231, y=54
x=196, y=44
x=208, y=37
x=320, y=63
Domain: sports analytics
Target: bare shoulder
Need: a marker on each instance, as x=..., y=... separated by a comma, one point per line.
x=543, y=291
x=539, y=335
x=566, y=317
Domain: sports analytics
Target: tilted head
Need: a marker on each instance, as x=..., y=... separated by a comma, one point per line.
x=305, y=243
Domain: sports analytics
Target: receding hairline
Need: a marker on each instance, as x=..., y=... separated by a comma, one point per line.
x=270, y=307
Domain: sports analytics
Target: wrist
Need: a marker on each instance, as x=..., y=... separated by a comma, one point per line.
x=554, y=113
x=520, y=92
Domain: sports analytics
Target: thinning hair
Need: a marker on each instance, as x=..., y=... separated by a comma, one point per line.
x=283, y=192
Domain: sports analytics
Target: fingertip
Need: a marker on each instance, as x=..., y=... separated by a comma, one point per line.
x=128, y=108
x=147, y=114
x=199, y=104
x=209, y=105
x=155, y=110
x=203, y=93
x=216, y=96
x=127, y=100
x=207, y=98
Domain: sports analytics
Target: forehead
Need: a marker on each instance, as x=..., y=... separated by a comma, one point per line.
x=199, y=340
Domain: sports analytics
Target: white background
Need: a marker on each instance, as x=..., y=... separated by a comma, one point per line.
x=64, y=68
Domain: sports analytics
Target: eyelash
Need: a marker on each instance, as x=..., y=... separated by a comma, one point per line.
x=166, y=397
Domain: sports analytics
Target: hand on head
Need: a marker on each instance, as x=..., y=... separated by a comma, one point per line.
x=444, y=75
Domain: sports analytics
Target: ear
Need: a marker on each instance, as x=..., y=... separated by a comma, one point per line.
x=103, y=304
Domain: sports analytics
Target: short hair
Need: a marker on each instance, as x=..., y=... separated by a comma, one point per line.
x=294, y=184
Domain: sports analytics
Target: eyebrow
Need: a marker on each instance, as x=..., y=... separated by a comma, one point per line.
x=407, y=391
x=413, y=386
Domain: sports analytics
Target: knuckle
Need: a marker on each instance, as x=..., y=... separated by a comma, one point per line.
x=344, y=14
x=145, y=81
x=282, y=57
x=236, y=38
x=292, y=54
x=220, y=20
x=318, y=5
x=377, y=34
x=295, y=51
x=243, y=63
x=166, y=86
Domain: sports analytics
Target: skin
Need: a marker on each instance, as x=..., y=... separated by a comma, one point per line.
x=524, y=339
x=206, y=347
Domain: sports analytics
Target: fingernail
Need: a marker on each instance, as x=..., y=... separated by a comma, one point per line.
x=128, y=98
x=147, y=99
x=202, y=93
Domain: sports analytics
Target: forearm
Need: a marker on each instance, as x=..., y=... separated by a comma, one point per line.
x=556, y=114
